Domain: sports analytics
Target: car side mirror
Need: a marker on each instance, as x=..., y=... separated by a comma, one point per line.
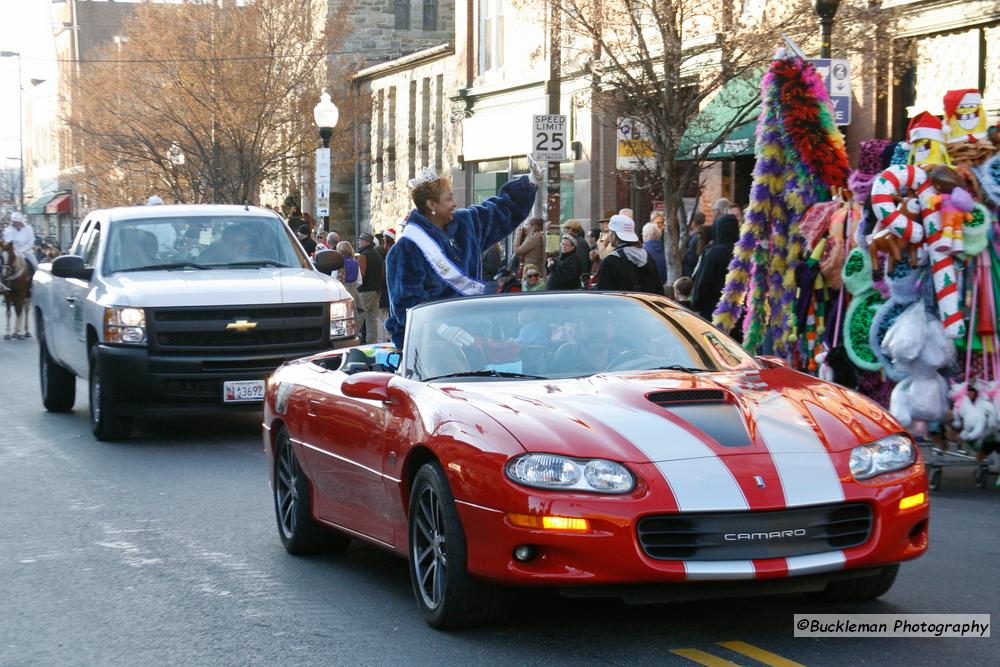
x=328, y=261
x=71, y=266
x=393, y=360
x=370, y=386
x=772, y=361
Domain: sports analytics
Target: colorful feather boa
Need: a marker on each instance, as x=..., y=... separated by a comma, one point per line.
x=800, y=157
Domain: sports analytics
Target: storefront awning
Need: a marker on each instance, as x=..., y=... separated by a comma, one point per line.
x=61, y=204
x=738, y=100
x=37, y=206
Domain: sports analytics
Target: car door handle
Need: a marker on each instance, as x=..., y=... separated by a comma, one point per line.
x=313, y=408
x=71, y=299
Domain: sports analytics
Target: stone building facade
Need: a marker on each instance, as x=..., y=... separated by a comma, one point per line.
x=411, y=128
x=380, y=31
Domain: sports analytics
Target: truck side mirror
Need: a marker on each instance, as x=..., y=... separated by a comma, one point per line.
x=71, y=266
x=328, y=261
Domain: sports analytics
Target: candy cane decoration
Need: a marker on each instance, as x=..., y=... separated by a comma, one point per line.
x=888, y=191
x=942, y=266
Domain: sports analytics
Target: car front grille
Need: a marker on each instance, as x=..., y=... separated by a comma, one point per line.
x=278, y=328
x=750, y=535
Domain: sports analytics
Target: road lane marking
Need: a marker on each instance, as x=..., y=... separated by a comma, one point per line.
x=760, y=655
x=703, y=658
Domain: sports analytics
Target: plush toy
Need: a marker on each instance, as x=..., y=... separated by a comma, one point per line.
x=970, y=418
x=918, y=347
x=954, y=204
x=975, y=233
x=836, y=366
x=926, y=141
x=894, y=203
x=965, y=116
x=857, y=276
x=987, y=390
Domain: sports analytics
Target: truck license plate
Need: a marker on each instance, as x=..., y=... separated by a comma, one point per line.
x=239, y=391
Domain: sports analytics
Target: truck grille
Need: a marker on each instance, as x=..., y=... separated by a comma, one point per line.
x=750, y=535
x=280, y=327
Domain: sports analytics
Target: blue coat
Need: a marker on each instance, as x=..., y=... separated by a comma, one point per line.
x=655, y=249
x=411, y=281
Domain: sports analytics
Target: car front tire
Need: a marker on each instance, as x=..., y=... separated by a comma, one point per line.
x=300, y=534
x=58, y=384
x=864, y=588
x=446, y=594
x=104, y=423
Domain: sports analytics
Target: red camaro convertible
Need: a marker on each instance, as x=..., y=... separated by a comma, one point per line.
x=607, y=444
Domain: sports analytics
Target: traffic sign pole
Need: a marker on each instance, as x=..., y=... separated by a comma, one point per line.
x=554, y=86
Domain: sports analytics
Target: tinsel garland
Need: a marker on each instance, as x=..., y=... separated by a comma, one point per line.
x=800, y=156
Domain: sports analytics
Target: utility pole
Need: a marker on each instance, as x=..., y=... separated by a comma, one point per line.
x=552, y=89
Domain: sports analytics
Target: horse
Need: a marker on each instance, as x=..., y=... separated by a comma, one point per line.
x=15, y=284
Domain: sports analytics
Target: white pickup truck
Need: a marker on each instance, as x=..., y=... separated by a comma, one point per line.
x=180, y=310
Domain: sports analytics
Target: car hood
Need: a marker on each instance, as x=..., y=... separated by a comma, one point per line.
x=217, y=287
x=667, y=416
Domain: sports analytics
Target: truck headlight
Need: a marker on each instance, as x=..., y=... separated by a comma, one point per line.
x=554, y=472
x=894, y=452
x=342, y=318
x=123, y=325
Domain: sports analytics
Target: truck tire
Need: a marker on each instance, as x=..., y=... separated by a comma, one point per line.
x=58, y=384
x=104, y=423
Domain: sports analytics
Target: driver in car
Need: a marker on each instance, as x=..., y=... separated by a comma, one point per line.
x=234, y=246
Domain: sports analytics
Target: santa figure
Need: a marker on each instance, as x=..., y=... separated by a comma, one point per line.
x=926, y=139
x=966, y=118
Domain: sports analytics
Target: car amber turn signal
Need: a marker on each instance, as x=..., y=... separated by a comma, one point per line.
x=564, y=523
x=912, y=501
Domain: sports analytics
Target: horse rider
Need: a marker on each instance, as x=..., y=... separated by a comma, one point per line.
x=20, y=233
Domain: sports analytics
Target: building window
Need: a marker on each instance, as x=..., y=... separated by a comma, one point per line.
x=491, y=40
x=380, y=136
x=402, y=11
x=425, y=122
x=390, y=149
x=411, y=131
x=439, y=123
x=430, y=15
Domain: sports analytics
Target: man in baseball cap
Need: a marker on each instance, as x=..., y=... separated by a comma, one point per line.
x=628, y=267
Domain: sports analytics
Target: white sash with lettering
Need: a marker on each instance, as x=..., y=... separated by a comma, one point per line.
x=441, y=264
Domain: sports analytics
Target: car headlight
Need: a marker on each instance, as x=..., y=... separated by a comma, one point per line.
x=342, y=318
x=124, y=325
x=894, y=452
x=551, y=471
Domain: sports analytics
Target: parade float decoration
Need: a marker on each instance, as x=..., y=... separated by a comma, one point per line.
x=965, y=116
x=801, y=159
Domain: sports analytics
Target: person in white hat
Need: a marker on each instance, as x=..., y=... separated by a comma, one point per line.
x=627, y=267
x=20, y=233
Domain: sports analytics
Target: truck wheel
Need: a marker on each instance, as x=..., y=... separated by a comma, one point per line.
x=105, y=424
x=58, y=384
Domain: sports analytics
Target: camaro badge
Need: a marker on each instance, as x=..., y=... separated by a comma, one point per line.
x=759, y=480
x=241, y=325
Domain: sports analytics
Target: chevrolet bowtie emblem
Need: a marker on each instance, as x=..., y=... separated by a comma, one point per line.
x=241, y=325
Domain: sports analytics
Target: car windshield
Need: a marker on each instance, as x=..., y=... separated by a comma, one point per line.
x=532, y=336
x=200, y=242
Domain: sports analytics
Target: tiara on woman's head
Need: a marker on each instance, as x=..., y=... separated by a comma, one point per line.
x=425, y=175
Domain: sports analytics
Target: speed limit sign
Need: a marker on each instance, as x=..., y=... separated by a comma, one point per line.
x=549, y=138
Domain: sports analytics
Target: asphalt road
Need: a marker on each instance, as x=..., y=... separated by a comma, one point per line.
x=163, y=551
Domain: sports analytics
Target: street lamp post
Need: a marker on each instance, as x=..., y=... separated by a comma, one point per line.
x=20, y=120
x=826, y=10
x=326, y=115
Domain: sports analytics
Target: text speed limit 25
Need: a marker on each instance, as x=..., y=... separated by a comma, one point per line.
x=548, y=141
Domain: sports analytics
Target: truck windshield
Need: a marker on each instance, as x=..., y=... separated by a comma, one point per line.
x=200, y=242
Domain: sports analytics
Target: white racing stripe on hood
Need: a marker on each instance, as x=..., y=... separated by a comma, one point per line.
x=698, y=478
x=814, y=563
x=708, y=570
x=804, y=466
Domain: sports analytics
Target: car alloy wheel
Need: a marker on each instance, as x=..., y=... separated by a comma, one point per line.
x=300, y=533
x=286, y=496
x=430, y=552
x=445, y=591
